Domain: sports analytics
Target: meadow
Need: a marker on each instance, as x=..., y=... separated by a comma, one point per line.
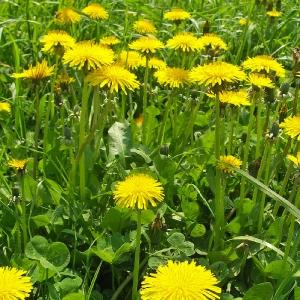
x=149, y=150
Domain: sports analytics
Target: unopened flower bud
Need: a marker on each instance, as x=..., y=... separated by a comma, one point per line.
x=164, y=150
x=284, y=88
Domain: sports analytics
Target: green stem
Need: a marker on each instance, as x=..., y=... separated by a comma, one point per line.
x=24, y=224
x=96, y=104
x=82, y=169
x=296, y=98
x=137, y=257
x=231, y=131
x=289, y=241
x=45, y=140
x=285, y=180
x=163, y=123
x=258, y=130
x=262, y=202
x=144, y=138
x=261, y=168
x=36, y=131
x=246, y=152
x=18, y=233
x=219, y=205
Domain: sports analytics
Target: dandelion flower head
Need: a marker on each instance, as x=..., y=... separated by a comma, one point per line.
x=19, y=164
x=138, y=190
x=95, y=11
x=185, y=41
x=264, y=63
x=63, y=82
x=4, y=106
x=212, y=40
x=295, y=160
x=109, y=40
x=146, y=44
x=89, y=54
x=155, y=63
x=260, y=81
x=144, y=27
x=56, y=40
x=39, y=71
x=273, y=13
x=131, y=59
x=180, y=281
x=66, y=16
x=174, y=77
x=115, y=77
x=13, y=284
x=229, y=159
x=291, y=126
x=177, y=14
x=234, y=98
x=243, y=21
x=216, y=73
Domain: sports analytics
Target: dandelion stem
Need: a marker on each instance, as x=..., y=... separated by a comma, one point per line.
x=246, y=152
x=82, y=169
x=144, y=138
x=36, y=131
x=219, y=205
x=24, y=224
x=137, y=256
x=258, y=130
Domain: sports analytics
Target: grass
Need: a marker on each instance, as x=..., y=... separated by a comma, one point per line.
x=59, y=221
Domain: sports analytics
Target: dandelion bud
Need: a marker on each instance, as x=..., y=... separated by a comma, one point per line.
x=244, y=137
x=194, y=94
x=206, y=27
x=283, y=113
x=253, y=167
x=15, y=191
x=269, y=95
x=211, y=54
x=284, y=88
x=278, y=5
x=67, y=133
x=76, y=109
x=164, y=150
x=274, y=130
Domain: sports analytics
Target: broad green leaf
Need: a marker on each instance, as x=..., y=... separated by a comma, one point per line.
x=262, y=291
x=37, y=248
x=276, y=269
x=221, y=271
x=58, y=255
x=191, y=209
x=74, y=296
x=40, y=220
x=187, y=248
x=69, y=285
x=120, y=141
x=176, y=239
x=196, y=230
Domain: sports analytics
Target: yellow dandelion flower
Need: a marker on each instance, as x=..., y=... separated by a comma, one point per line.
x=216, y=73
x=177, y=14
x=212, y=40
x=63, y=81
x=131, y=59
x=180, y=280
x=57, y=41
x=146, y=44
x=138, y=190
x=95, y=11
x=115, y=77
x=264, y=63
x=295, y=160
x=155, y=63
x=36, y=73
x=235, y=98
x=229, y=159
x=291, y=126
x=89, y=54
x=109, y=40
x=298, y=74
x=174, y=77
x=13, y=284
x=4, y=106
x=144, y=27
x=185, y=41
x=139, y=121
x=243, y=21
x=66, y=16
x=19, y=164
x=273, y=13
x=260, y=81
